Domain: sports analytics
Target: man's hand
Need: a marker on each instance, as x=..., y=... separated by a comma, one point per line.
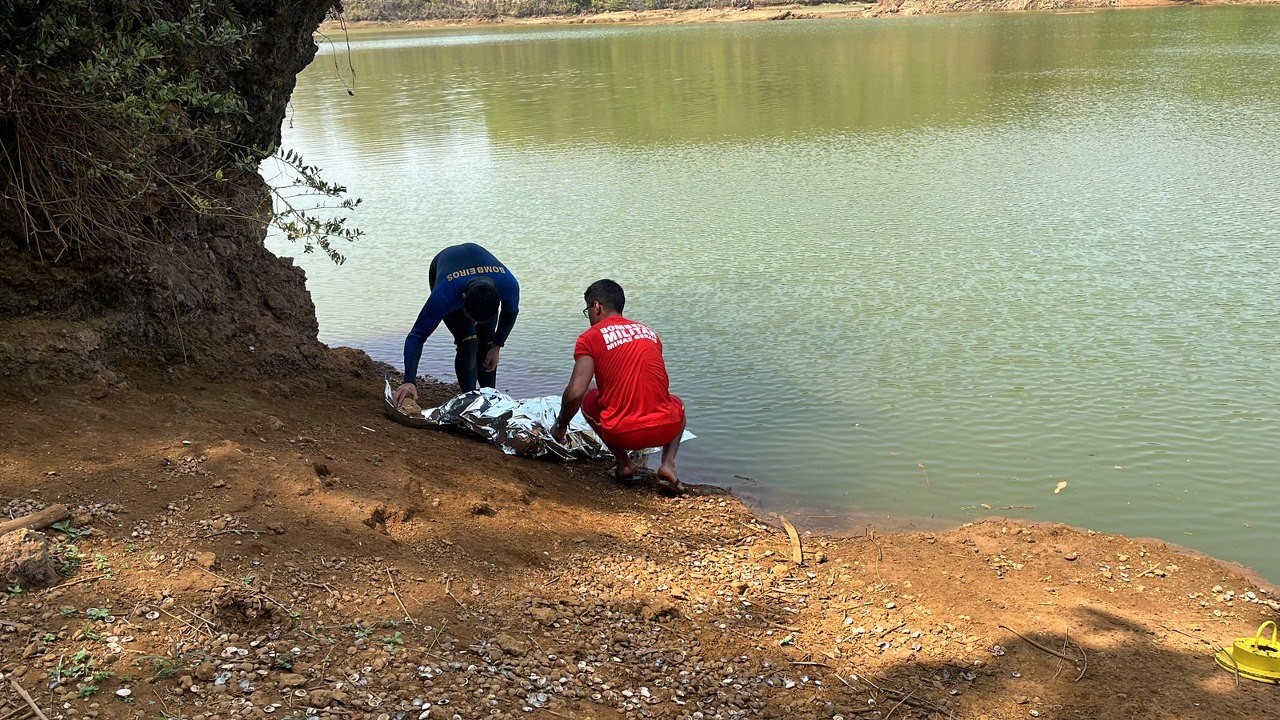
x=491, y=359
x=406, y=390
x=558, y=432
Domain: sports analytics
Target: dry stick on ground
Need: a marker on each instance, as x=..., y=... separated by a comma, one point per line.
x=872, y=538
x=895, y=628
x=232, y=583
x=1215, y=648
x=1144, y=572
x=196, y=628
x=797, y=553
x=443, y=624
x=1065, y=639
x=895, y=707
x=27, y=697
x=37, y=520
x=1084, y=661
x=408, y=618
x=450, y=594
x=82, y=580
x=1050, y=650
x=321, y=586
x=202, y=619
x=19, y=712
x=239, y=531
x=899, y=695
x=1234, y=666
x=163, y=704
x=913, y=702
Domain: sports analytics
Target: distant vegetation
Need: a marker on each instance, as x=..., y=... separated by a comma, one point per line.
x=402, y=10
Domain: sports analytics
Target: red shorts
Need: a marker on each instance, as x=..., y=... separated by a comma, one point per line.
x=641, y=439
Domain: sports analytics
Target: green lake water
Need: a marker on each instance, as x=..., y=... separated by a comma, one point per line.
x=902, y=267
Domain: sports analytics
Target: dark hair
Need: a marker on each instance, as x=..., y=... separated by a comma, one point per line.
x=480, y=300
x=606, y=292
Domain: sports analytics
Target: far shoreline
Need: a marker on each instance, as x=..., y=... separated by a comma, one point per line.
x=790, y=11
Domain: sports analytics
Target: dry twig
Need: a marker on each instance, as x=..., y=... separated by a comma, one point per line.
x=443, y=624
x=27, y=697
x=82, y=580
x=895, y=707
x=871, y=536
x=1051, y=651
x=239, y=531
x=408, y=618
x=797, y=552
x=1144, y=572
x=450, y=594
x=196, y=628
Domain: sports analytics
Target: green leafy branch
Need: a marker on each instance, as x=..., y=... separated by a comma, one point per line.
x=115, y=120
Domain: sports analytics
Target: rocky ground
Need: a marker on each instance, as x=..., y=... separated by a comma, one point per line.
x=247, y=550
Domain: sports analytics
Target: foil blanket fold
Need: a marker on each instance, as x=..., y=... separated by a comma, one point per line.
x=517, y=427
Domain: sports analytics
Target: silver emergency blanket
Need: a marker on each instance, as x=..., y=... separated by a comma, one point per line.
x=517, y=427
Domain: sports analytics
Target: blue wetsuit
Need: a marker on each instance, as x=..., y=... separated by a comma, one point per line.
x=452, y=270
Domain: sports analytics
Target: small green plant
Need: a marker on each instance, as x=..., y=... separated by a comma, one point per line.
x=102, y=565
x=395, y=638
x=284, y=662
x=14, y=590
x=67, y=558
x=73, y=533
x=86, y=691
x=97, y=613
x=131, y=548
x=67, y=611
x=100, y=675
x=72, y=668
x=48, y=637
x=248, y=579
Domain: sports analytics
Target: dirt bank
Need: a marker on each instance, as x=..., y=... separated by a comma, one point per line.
x=282, y=550
x=752, y=12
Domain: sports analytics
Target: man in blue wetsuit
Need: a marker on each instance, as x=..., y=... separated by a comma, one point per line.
x=468, y=287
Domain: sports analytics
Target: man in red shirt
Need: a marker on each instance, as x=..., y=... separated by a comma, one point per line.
x=631, y=407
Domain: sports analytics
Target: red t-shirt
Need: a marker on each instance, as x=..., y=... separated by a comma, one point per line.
x=630, y=374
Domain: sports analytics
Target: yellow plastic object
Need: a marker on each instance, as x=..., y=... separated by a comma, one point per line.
x=1254, y=657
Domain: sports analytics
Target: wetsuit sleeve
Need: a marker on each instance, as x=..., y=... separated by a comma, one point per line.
x=428, y=320
x=507, y=316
